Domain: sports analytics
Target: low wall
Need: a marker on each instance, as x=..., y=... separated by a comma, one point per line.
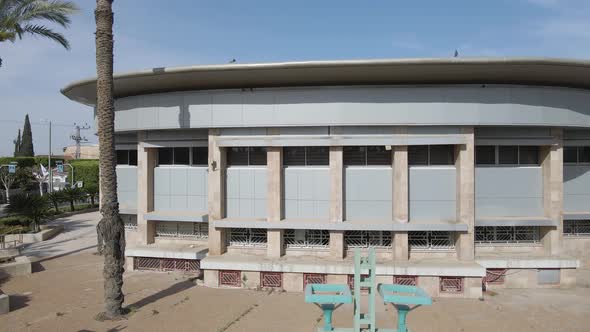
x=44, y=234
x=20, y=267
x=4, y=303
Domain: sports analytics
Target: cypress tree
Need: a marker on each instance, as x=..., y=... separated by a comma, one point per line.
x=17, y=145
x=26, y=147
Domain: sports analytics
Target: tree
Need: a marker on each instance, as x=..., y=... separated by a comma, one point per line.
x=72, y=194
x=7, y=180
x=110, y=228
x=26, y=145
x=40, y=175
x=17, y=145
x=31, y=206
x=92, y=191
x=20, y=17
x=55, y=198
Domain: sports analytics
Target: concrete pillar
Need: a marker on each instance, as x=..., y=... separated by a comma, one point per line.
x=274, y=201
x=465, y=164
x=400, y=201
x=216, y=194
x=337, y=249
x=146, y=162
x=552, y=164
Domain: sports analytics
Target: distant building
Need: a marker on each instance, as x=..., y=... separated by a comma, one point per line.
x=86, y=152
x=460, y=172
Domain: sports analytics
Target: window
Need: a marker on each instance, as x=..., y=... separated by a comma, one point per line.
x=200, y=155
x=576, y=227
x=230, y=278
x=576, y=154
x=431, y=240
x=130, y=222
x=313, y=278
x=507, y=155
x=495, y=276
x=306, y=156
x=451, y=284
x=246, y=156
x=181, y=156
x=127, y=157
x=165, y=156
x=367, y=239
x=507, y=234
x=271, y=279
x=306, y=238
x=247, y=237
x=366, y=156
x=431, y=155
x=406, y=280
x=167, y=264
x=193, y=230
x=485, y=155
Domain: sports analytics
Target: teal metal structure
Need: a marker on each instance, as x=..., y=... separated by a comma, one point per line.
x=330, y=296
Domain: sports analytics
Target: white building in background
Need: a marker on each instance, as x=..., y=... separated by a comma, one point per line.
x=460, y=172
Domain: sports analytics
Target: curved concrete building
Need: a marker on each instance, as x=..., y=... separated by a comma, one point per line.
x=460, y=172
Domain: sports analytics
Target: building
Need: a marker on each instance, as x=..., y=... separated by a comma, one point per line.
x=458, y=171
x=88, y=151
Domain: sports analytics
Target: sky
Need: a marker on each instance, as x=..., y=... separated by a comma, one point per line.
x=155, y=33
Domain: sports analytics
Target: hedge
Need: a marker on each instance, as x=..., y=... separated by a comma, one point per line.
x=85, y=170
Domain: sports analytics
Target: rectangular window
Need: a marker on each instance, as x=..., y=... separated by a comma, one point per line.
x=173, y=229
x=165, y=156
x=200, y=155
x=431, y=155
x=271, y=279
x=570, y=154
x=584, y=154
x=367, y=239
x=246, y=156
x=451, y=284
x=431, y=240
x=306, y=238
x=508, y=155
x=507, y=234
x=367, y=156
x=528, y=155
x=576, y=227
x=230, y=278
x=306, y=156
x=485, y=155
x=126, y=157
x=177, y=156
x=247, y=237
x=181, y=156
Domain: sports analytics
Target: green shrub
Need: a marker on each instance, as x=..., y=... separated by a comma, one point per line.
x=85, y=170
x=15, y=221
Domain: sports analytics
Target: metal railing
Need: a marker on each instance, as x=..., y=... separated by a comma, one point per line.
x=431, y=240
x=576, y=227
x=306, y=238
x=247, y=237
x=368, y=239
x=185, y=230
x=507, y=234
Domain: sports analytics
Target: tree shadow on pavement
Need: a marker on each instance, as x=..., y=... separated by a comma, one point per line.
x=174, y=289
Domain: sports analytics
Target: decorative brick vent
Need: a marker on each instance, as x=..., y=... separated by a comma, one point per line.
x=313, y=278
x=271, y=279
x=230, y=278
x=451, y=284
x=405, y=280
x=495, y=276
x=166, y=264
x=351, y=282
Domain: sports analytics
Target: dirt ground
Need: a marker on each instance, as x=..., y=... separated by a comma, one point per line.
x=66, y=292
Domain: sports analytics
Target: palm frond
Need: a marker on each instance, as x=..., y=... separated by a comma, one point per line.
x=40, y=30
x=53, y=11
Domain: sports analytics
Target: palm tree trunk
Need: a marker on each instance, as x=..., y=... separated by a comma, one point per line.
x=110, y=227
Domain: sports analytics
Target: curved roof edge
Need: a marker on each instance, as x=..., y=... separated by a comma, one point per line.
x=526, y=70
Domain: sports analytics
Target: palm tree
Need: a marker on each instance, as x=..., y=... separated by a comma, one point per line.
x=20, y=17
x=72, y=194
x=110, y=229
x=32, y=206
x=92, y=191
x=55, y=198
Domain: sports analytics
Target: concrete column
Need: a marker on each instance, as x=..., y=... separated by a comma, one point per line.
x=146, y=162
x=552, y=164
x=400, y=201
x=465, y=163
x=216, y=194
x=337, y=249
x=274, y=204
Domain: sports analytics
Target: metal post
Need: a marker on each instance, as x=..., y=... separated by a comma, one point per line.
x=49, y=166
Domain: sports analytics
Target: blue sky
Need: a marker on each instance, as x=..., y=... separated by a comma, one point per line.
x=182, y=32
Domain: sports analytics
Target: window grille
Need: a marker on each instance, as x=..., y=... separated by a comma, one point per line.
x=507, y=234
x=306, y=238
x=166, y=264
x=271, y=279
x=495, y=276
x=313, y=278
x=230, y=278
x=576, y=227
x=247, y=237
x=405, y=280
x=451, y=284
x=172, y=229
x=130, y=222
x=431, y=240
x=367, y=239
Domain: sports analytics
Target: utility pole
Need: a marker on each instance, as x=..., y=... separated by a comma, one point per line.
x=78, y=138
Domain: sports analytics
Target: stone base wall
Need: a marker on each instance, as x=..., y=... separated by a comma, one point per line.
x=527, y=278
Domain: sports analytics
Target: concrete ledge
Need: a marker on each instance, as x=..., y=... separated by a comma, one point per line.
x=537, y=221
x=4, y=303
x=45, y=234
x=528, y=262
x=341, y=226
x=186, y=252
x=177, y=216
x=128, y=211
x=576, y=216
x=320, y=265
x=20, y=267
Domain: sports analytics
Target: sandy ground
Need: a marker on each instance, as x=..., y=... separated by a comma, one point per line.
x=65, y=293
